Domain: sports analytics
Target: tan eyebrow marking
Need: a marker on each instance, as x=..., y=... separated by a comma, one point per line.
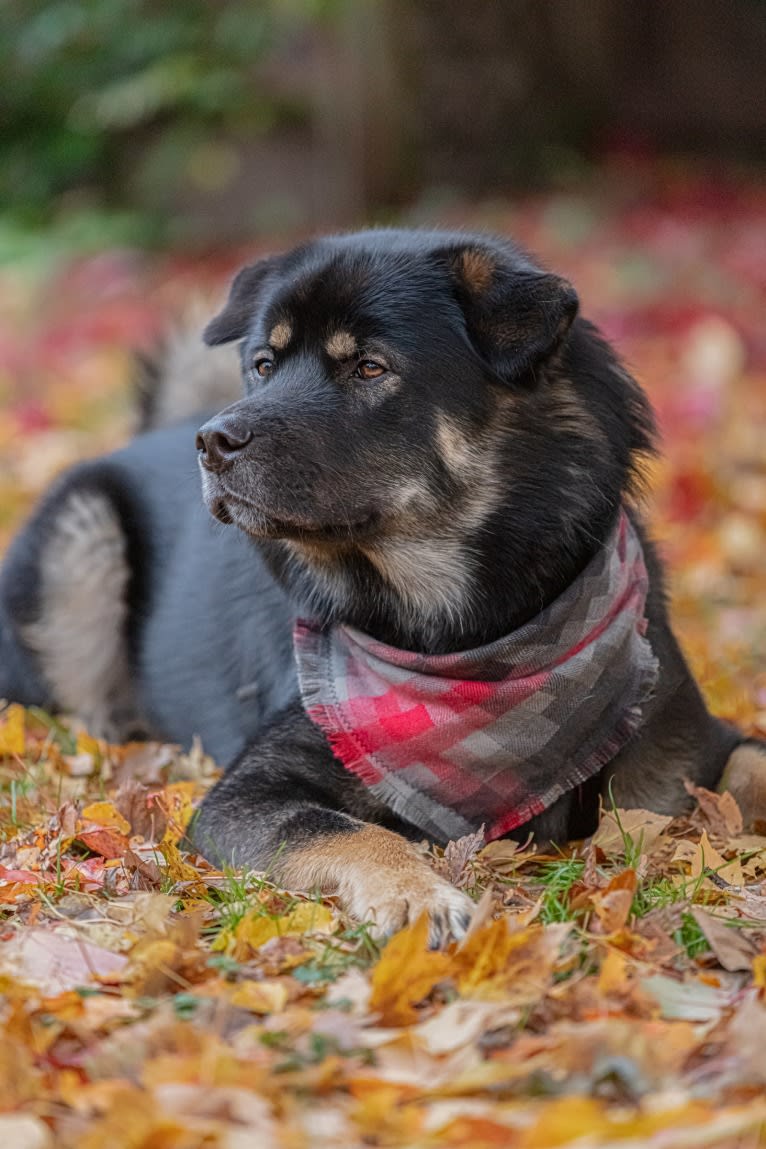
x=281, y=334
x=341, y=345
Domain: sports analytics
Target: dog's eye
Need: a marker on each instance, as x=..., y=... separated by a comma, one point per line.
x=369, y=369
x=263, y=365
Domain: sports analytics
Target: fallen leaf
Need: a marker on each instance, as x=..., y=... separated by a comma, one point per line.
x=57, y=959
x=106, y=814
x=22, y=1131
x=258, y=927
x=730, y=945
x=12, y=731
x=458, y=854
x=686, y=1001
x=141, y=809
x=461, y=1023
x=107, y=843
x=719, y=810
x=406, y=974
x=612, y=904
x=268, y=996
x=515, y=965
x=642, y=828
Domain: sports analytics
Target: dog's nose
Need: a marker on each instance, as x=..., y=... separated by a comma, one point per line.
x=219, y=441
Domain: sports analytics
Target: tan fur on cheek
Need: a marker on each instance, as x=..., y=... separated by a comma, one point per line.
x=455, y=450
x=341, y=345
x=280, y=336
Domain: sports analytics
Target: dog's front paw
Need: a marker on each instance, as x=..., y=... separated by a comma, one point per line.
x=392, y=899
x=380, y=877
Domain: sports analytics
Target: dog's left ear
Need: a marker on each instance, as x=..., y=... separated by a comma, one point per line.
x=232, y=322
x=517, y=315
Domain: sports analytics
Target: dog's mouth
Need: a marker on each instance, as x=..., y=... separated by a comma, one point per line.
x=259, y=523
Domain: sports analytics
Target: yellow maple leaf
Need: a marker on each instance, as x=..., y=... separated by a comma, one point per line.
x=256, y=928
x=179, y=870
x=12, y=731
x=177, y=802
x=106, y=814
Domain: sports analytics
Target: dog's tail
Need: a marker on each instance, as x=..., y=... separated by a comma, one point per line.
x=182, y=377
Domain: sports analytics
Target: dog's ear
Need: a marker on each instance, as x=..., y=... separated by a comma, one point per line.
x=231, y=323
x=516, y=314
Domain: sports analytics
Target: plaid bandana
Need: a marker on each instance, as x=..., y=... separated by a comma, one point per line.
x=491, y=736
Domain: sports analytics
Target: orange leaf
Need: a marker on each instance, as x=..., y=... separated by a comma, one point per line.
x=612, y=904
x=108, y=843
x=514, y=965
x=406, y=973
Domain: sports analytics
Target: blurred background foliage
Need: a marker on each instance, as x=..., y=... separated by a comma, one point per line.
x=104, y=101
x=209, y=121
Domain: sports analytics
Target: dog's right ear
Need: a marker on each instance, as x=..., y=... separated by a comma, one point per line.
x=231, y=323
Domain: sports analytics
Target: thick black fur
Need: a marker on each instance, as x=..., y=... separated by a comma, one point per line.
x=437, y=505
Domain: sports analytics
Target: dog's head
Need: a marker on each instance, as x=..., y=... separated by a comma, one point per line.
x=373, y=366
x=426, y=426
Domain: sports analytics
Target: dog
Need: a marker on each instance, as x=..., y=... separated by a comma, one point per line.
x=422, y=603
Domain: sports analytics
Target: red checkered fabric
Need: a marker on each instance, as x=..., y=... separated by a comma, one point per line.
x=493, y=736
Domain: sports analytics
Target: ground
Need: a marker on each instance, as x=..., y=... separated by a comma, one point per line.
x=610, y=994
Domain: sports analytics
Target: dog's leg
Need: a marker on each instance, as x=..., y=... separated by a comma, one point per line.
x=289, y=808
x=744, y=776
x=76, y=621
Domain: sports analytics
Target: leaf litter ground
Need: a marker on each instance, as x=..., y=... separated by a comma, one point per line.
x=612, y=993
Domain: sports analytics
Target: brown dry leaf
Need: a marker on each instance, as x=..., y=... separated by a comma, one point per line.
x=458, y=854
x=719, y=811
x=642, y=827
x=406, y=974
x=502, y=855
x=612, y=904
x=706, y=857
x=139, y=806
x=146, y=868
x=730, y=945
x=147, y=762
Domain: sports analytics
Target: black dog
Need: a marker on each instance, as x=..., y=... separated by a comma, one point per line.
x=433, y=449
